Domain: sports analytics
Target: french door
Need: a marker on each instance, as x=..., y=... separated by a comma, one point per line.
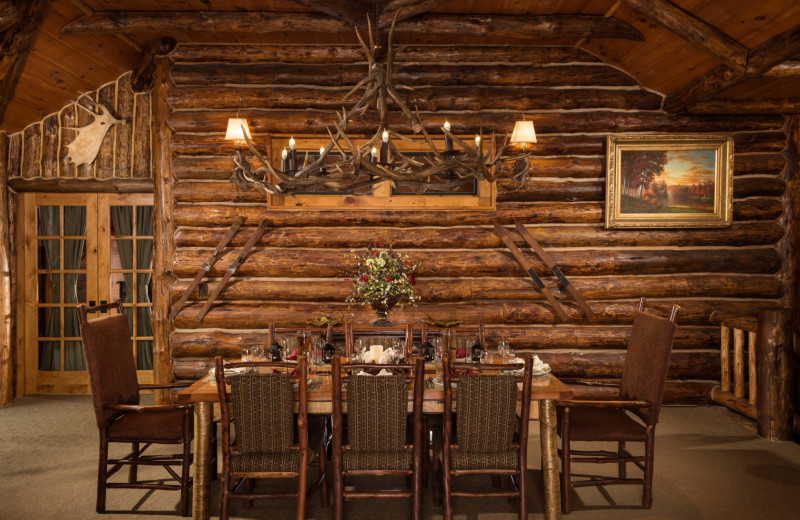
x=80, y=249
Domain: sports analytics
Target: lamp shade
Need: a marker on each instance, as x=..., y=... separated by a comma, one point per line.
x=234, y=132
x=523, y=132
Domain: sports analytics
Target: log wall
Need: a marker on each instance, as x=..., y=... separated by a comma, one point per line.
x=37, y=154
x=297, y=269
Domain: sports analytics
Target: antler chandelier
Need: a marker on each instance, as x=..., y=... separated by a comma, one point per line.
x=344, y=167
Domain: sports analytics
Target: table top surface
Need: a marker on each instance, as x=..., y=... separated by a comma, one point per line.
x=545, y=387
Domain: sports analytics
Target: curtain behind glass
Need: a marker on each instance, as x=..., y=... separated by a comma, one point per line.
x=144, y=260
x=74, y=225
x=49, y=356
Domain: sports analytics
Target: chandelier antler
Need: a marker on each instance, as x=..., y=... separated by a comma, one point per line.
x=359, y=169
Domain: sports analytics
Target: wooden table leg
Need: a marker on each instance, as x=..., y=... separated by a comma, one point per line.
x=552, y=484
x=201, y=504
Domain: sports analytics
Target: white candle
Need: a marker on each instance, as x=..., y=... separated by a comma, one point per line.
x=373, y=155
x=385, y=147
x=448, y=143
x=291, y=143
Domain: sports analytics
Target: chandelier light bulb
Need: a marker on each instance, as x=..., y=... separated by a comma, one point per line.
x=284, y=154
x=385, y=136
x=447, y=125
x=291, y=143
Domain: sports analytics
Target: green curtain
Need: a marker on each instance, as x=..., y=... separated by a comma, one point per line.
x=74, y=225
x=144, y=260
x=49, y=351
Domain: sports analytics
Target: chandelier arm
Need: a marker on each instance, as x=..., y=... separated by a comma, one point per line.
x=467, y=148
x=416, y=126
x=366, y=48
x=428, y=138
x=390, y=53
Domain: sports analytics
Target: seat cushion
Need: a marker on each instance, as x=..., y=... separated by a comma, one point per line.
x=377, y=460
x=468, y=459
x=603, y=424
x=262, y=462
x=143, y=427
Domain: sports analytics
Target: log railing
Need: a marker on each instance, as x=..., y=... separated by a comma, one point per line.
x=763, y=369
x=742, y=397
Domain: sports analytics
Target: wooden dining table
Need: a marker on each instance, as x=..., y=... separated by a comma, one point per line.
x=546, y=390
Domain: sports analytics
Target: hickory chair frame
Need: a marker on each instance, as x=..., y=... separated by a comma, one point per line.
x=445, y=446
x=630, y=400
x=416, y=373
x=128, y=406
x=227, y=490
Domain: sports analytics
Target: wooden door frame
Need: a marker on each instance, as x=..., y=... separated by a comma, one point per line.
x=29, y=378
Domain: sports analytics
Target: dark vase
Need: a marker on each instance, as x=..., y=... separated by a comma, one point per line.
x=383, y=311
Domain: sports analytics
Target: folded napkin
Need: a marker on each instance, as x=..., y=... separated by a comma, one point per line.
x=453, y=372
x=293, y=374
x=461, y=353
x=293, y=355
x=384, y=372
x=539, y=365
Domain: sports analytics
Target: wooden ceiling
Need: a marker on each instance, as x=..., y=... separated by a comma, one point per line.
x=721, y=56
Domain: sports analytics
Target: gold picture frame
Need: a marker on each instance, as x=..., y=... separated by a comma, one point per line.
x=669, y=181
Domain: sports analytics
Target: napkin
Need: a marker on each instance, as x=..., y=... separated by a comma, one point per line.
x=293, y=355
x=461, y=353
x=384, y=372
x=539, y=365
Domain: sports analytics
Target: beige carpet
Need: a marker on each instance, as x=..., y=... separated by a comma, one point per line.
x=708, y=466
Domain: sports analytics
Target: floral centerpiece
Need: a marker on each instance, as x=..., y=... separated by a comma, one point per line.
x=382, y=279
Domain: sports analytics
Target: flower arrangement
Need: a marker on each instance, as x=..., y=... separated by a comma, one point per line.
x=383, y=276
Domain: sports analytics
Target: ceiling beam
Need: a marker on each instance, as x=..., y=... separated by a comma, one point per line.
x=522, y=27
x=405, y=9
x=344, y=10
x=695, y=31
x=774, y=51
x=9, y=15
x=787, y=69
x=15, y=43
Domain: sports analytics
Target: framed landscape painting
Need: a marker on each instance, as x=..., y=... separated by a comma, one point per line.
x=669, y=181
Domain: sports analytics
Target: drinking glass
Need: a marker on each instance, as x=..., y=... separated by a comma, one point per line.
x=487, y=357
x=247, y=353
x=504, y=349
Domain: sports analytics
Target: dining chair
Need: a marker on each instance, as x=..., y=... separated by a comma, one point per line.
x=375, y=443
x=385, y=336
x=631, y=417
x=120, y=416
x=489, y=438
x=292, y=337
x=259, y=440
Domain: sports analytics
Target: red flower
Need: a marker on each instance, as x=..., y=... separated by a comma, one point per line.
x=413, y=280
x=388, y=278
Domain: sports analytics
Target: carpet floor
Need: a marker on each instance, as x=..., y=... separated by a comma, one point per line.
x=709, y=465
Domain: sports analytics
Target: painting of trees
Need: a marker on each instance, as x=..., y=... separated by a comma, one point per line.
x=639, y=168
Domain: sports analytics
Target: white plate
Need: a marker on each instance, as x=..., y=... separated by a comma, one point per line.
x=228, y=371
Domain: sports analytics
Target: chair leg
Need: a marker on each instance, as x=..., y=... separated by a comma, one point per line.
x=647, y=491
x=324, y=481
x=185, y=476
x=623, y=466
x=302, y=483
x=522, y=481
x=566, y=482
x=224, y=494
x=132, y=471
x=102, y=474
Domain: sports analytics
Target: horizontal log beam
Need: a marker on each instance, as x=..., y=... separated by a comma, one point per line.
x=424, y=98
x=747, y=106
x=413, y=75
x=747, y=323
x=228, y=343
x=695, y=31
x=258, y=316
x=482, y=237
x=74, y=185
x=739, y=404
x=509, y=190
x=208, y=215
x=313, y=122
x=787, y=69
x=327, y=54
x=343, y=10
x=464, y=289
x=314, y=263
x=264, y=22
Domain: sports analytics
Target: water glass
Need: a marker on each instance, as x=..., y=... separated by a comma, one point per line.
x=504, y=349
x=487, y=357
x=247, y=353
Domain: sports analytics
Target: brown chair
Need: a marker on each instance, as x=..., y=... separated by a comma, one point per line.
x=489, y=438
x=262, y=444
x=632, y=417
x=120, y=418
x=385, y=336
x=375, y=443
